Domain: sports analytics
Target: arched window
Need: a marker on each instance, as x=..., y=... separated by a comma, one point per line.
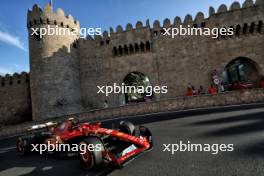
x=125, y=50
x=142, y=47
x=147, y=46
x=238, y=28
x=61, y=24
x=48, y=22
x=136, y=47
x=120, y=50
x=114, y=51
x=40, y=20
x=260, y=26
x=131, y=48
x=252, y=28
x=245, y=28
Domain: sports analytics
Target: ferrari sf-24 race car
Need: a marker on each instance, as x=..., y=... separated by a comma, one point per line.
x=118, y=146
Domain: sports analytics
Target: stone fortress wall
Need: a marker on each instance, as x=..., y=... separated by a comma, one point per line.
x=54, y=65
x=172, y=62
x=65, y=70
x=15, y=104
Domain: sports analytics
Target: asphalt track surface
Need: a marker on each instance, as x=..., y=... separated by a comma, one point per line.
x=242, y=126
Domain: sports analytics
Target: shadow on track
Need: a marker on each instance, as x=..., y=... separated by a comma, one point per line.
x=35, y=164
x=245, y=117
x=251, y=127
x=255, y=150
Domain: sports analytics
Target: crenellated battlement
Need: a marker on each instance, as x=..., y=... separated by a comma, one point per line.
x=188, y=19
x=15, y=79
x=46, y=15
x=129, y=27
x=200, y=18
x=200, y=21
x=38, y=16
x=215, y=19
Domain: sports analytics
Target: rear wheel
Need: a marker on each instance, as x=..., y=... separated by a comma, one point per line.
x=91, y=152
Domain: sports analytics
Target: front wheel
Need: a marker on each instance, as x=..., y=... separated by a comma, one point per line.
x=127, y=127
x=145, y=132
x=91, y=152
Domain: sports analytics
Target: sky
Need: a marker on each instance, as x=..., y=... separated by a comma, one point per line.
x=91, y=14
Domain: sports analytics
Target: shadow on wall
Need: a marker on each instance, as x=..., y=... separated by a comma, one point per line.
x=15, y=91
x=55, y=88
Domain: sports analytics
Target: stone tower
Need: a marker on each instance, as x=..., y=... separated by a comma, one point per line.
x=54, y=65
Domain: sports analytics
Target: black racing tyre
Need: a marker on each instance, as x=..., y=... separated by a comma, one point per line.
x=90, y=159
x=145, y=132
x=127, y=127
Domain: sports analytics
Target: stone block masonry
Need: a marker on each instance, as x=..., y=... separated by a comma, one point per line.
x=66, y=70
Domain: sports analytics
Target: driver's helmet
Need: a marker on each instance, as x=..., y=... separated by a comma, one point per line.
x=72, y=120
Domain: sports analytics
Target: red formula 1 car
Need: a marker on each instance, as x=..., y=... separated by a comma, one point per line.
x=114, y=146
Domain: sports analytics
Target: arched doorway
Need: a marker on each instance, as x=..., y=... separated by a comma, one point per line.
x=241, y=71
x=140, y=82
